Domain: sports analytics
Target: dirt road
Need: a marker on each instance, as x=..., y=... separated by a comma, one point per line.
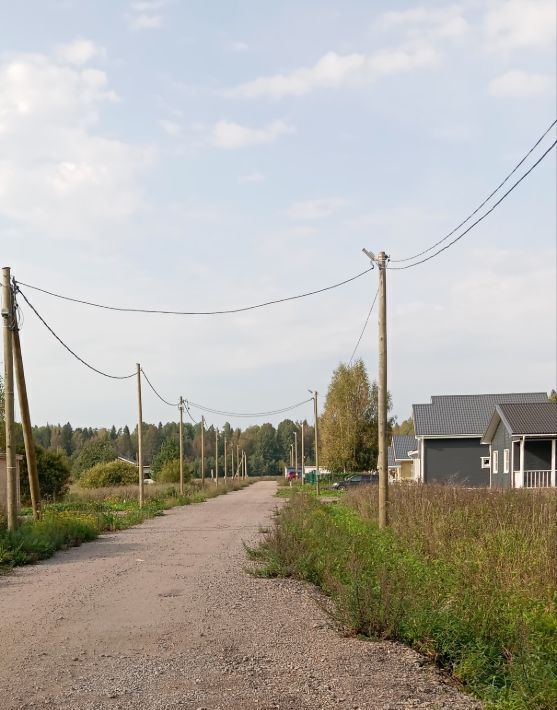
x=164, y=616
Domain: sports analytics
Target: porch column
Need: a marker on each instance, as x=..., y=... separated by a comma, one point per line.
x=519, y=483
x=553, y=462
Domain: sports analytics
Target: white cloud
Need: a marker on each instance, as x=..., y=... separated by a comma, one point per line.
x=518, y=84
x=57, y=173
x=251, y=177
x=516, y=24
x=239, y=47
x=147, y=5
x=79, y=52
x=171, y=128
x=228, y=135
x=145, y=21
x=334, y=70
x=316, y=209
x=441, y=22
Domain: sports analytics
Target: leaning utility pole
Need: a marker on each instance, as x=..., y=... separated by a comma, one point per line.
x=203, y=452
x=11, y=471
x=140, y=436
x=181, y=446
x=381, y=261
x=30, y=452
x=216, y=456
x=238, y=460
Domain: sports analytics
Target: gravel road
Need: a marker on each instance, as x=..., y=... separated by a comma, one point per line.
x=164, y=616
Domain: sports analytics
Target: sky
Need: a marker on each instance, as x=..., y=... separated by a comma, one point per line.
x=195, y=155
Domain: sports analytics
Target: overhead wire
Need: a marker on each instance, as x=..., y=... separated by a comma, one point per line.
x=198, y=313
x=480, y=219
x=67, y=347
x=162, y=399
x=365, y=326
x=487, y=199
x=219, y=412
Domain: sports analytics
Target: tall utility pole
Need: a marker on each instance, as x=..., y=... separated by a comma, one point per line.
x=302, y=455
x=296, y=451
x=202, y=452
x=181, y=446
x=291, y=455
x=8, y=317
x=245, y=465
x=216, y=456
x=30, y=452
x=316, y=441
x=232, y=472
x=381, y=261
x=225, y=459
x=140, y=436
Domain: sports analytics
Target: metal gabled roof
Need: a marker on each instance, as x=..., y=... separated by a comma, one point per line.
x=524, y=419
x=465, y=414
x=402, y=444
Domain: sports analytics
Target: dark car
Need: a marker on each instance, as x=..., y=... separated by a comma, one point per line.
x=359, y=479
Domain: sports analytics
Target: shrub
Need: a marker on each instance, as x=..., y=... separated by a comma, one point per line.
x=169, y=451
x=92, y=453
x=113, y=473
x=54, y=474
x=170, y=472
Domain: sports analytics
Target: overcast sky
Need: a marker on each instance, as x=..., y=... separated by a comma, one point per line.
x=198, y=155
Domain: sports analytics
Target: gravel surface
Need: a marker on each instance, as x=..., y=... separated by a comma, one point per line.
x=164, y=616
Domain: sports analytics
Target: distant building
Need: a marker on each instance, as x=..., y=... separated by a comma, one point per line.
x=400, y=460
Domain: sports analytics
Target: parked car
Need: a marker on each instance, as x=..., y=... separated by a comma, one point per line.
x=359, y=479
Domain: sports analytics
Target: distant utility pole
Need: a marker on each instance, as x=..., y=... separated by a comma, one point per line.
x=302, y=455
x=245, y=465
x=202, y=452
x=238, y=460
x=30, y=452
x=316, y=439
x=291, y=455
x=216, y=456
x=296, y=451
x=140, y=436
x=181, y=446
x=8, y=317
x=381, y=261
x=232, y=472
x=225, y=459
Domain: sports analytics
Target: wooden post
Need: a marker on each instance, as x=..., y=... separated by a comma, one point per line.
x=181, y=446
x=232, y=472
x=238, y=460
x=245, y=465
x=139, y=436
x=216, y=456
x=316, y=443
x=203, y=452
x=8, y=317
x=382, y=394
x=296, y=451
x=302, y=455
x=225, y=460
x=30, y=452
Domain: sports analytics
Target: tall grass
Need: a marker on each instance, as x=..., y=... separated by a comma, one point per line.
x=467, y=577
x=86, y=513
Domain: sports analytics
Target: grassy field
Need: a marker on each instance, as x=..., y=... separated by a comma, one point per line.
x=86, y=513
x=468, y=578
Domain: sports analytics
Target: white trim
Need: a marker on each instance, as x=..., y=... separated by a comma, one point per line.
x=506, y=460
x=553, y=462
x=520, y=482
x=495, y=461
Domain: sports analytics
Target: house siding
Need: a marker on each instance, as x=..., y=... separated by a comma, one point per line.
x=455, y=461
x=501, y=441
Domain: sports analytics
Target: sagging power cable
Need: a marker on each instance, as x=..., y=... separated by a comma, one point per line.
x=248, y=414
x=364, y=328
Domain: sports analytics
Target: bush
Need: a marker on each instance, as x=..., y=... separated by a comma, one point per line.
x=170, y=472
x=92, y=453
x=169, y=451
x=54, y=474
x=114, y=473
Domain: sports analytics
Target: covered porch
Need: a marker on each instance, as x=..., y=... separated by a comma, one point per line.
x=534, y=462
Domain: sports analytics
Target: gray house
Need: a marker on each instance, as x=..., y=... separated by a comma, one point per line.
x=522, y=440
x=449, y=431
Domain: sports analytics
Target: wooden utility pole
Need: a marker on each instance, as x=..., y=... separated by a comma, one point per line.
x=225, y=459
x=8, y=317
x=291, y=455
x=181, y=446
x=316, y=442
x=140, y=436
x=232, y=472
x=238, y=460
x=203, y=452
x=382, y=394
x=302, y=455
x=30, y=452
x=296, y=452
x=245, y=465
x=216, y=456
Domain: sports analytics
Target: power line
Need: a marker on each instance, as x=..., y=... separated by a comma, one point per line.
x=189, y=413
x=364, y=328
x=67, y=347
x=480, y=219
x=247, y=414
x=450, y=234
x=197, y=313
x=162, y=399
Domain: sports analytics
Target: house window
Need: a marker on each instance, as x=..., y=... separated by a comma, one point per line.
x=495, y=462
x=486, y=461
x=506, y=459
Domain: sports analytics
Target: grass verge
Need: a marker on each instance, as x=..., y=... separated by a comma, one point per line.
x=466, y=577
x=86, y=513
